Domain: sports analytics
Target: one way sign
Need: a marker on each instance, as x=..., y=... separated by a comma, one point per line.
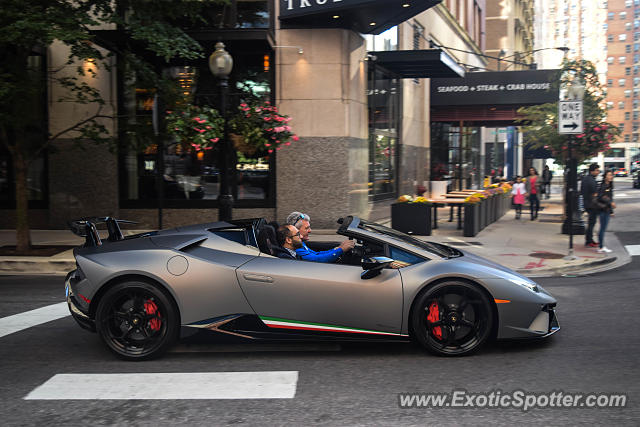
x=570, y=117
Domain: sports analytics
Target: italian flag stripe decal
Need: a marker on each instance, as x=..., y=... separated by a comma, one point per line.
x=274, y=322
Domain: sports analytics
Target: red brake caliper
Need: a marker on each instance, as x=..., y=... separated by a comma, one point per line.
x=151, y=308
x=434, y=316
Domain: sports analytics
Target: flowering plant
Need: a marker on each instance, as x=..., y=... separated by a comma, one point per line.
x=420, y=199
x=474, y=198
x=405, y=198
x=262, y=128
x=197, y=128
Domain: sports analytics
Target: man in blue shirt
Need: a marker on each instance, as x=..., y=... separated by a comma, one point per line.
x=303, y=223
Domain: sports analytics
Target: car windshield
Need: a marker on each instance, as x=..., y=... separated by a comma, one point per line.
x=436, y=248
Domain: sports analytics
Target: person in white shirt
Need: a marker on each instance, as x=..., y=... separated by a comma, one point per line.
x=518, y=191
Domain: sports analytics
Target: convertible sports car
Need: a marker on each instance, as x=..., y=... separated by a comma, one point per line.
x=138, y=291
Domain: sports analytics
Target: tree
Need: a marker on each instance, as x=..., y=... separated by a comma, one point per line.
x=148, y=32
x=540, y=122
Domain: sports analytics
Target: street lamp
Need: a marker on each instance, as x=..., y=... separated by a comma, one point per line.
x=220, y=64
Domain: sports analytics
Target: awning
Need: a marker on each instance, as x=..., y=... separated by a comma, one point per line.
x=427, y=63
x=363, y=16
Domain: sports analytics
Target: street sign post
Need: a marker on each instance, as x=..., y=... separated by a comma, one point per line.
x=570, y=117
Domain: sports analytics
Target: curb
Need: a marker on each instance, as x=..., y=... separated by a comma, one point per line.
x=33, y=266
x=581, y=269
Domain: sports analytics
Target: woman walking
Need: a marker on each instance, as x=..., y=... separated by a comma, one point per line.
x=605, y=204
x=533, y=189
x=518, y=191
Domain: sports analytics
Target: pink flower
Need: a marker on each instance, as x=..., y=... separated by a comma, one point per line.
x=278, y=129
x=287, y=144
x=287, y=128
x=208, y=127
x=169, y=112
x=580, y=136
x=214, y=139
x=597, y=129
x=208, y=148
x=270, y=151
x=267, y=145
x=295, y=138
x=278, y=148
x=605, y=127
x=243, y=105
x=176, y=128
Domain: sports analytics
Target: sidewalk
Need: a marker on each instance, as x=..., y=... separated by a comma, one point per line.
x=533, y=248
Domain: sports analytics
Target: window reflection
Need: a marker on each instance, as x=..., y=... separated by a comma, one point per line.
x=194, y=175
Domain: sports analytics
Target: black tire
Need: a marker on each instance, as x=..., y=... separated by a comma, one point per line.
x=452, y=318
x=137, y=321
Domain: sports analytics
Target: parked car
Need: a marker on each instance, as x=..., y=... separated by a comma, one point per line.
x=621, y=172
x=137, y=292
x=636, y=178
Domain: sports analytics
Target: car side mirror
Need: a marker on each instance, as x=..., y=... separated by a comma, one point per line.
x=373, y=266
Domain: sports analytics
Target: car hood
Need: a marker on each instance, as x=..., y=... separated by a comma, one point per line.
x=469, y=257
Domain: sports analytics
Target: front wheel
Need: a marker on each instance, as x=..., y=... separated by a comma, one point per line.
x=137, y=321
x=452, y=319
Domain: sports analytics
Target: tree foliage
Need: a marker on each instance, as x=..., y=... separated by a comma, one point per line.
x=540, y=122
x=148, y=33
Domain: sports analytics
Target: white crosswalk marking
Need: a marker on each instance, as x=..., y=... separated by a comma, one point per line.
x=189, y=385
x=18, y=322
x=633, y=249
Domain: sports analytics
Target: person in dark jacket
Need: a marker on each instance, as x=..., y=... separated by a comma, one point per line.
x=289, y=240
x=547, y=176
x=606, y=206
x=589, y=190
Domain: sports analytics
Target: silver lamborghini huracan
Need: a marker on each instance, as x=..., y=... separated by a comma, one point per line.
x=139, y=292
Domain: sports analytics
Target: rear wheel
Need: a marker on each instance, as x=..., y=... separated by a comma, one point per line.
x=452, y=319
x=137, y=321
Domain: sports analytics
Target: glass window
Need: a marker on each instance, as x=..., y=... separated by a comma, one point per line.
x=404, y=256
x=622, y=37
x=622, y=82
x=627, y=137
x=636, y=114
x=384, y=119
x=622, y=59
x=192, y=177
x=609, y=82
x=611, y=59
x=621, y=105
x=611, y=15
x=627, y=48
x=610, y=38
x=627, y=71
x=627, y=115
x=623, y=16
x=627, y=93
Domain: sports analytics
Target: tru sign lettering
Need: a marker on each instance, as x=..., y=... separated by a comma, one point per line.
x=308, y=3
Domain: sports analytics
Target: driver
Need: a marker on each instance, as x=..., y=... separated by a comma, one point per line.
x=303, y=223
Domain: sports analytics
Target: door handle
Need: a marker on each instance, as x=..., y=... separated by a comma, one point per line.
x=258, y=278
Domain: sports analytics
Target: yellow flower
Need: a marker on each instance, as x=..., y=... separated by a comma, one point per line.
x=404, y=198
x=421, y=200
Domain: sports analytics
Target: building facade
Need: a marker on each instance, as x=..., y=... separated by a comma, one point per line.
x=363, y=120
x=623, y=80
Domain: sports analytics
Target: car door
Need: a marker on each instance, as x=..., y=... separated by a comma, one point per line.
x=310, y=296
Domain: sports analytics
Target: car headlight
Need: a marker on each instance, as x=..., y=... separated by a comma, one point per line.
x=526, y=283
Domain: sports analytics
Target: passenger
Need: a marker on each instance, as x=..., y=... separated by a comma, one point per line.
x=303, y=223
x=289, y=240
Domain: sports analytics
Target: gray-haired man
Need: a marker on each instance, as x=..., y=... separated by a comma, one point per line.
x=303, y=223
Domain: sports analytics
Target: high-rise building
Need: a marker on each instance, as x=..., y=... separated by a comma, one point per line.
x=623, y=79
x=510, y=34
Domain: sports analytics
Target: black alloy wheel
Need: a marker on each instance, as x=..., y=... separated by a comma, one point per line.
x=137, y=321
x=452, y=319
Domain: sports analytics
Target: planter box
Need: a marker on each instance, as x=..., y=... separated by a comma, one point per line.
x=411, y=218
x=483, y=213
x=471, y=220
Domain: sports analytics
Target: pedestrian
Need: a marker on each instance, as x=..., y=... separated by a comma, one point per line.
x=518, y=191
x=589, y=191
x=547, y=176
x=606, y=206
x=533, y=189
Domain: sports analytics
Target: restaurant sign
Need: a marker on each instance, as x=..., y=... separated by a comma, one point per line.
x=497, y=88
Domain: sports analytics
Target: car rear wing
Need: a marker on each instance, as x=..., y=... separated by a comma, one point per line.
x=87, y=228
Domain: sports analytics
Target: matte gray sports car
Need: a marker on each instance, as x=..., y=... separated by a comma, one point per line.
x=138, y=291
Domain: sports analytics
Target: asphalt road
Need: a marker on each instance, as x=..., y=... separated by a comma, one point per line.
x=347, y=384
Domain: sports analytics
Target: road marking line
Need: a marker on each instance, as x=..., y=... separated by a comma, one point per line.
x=174, y=386
x=28, y=319
x=633, y=249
